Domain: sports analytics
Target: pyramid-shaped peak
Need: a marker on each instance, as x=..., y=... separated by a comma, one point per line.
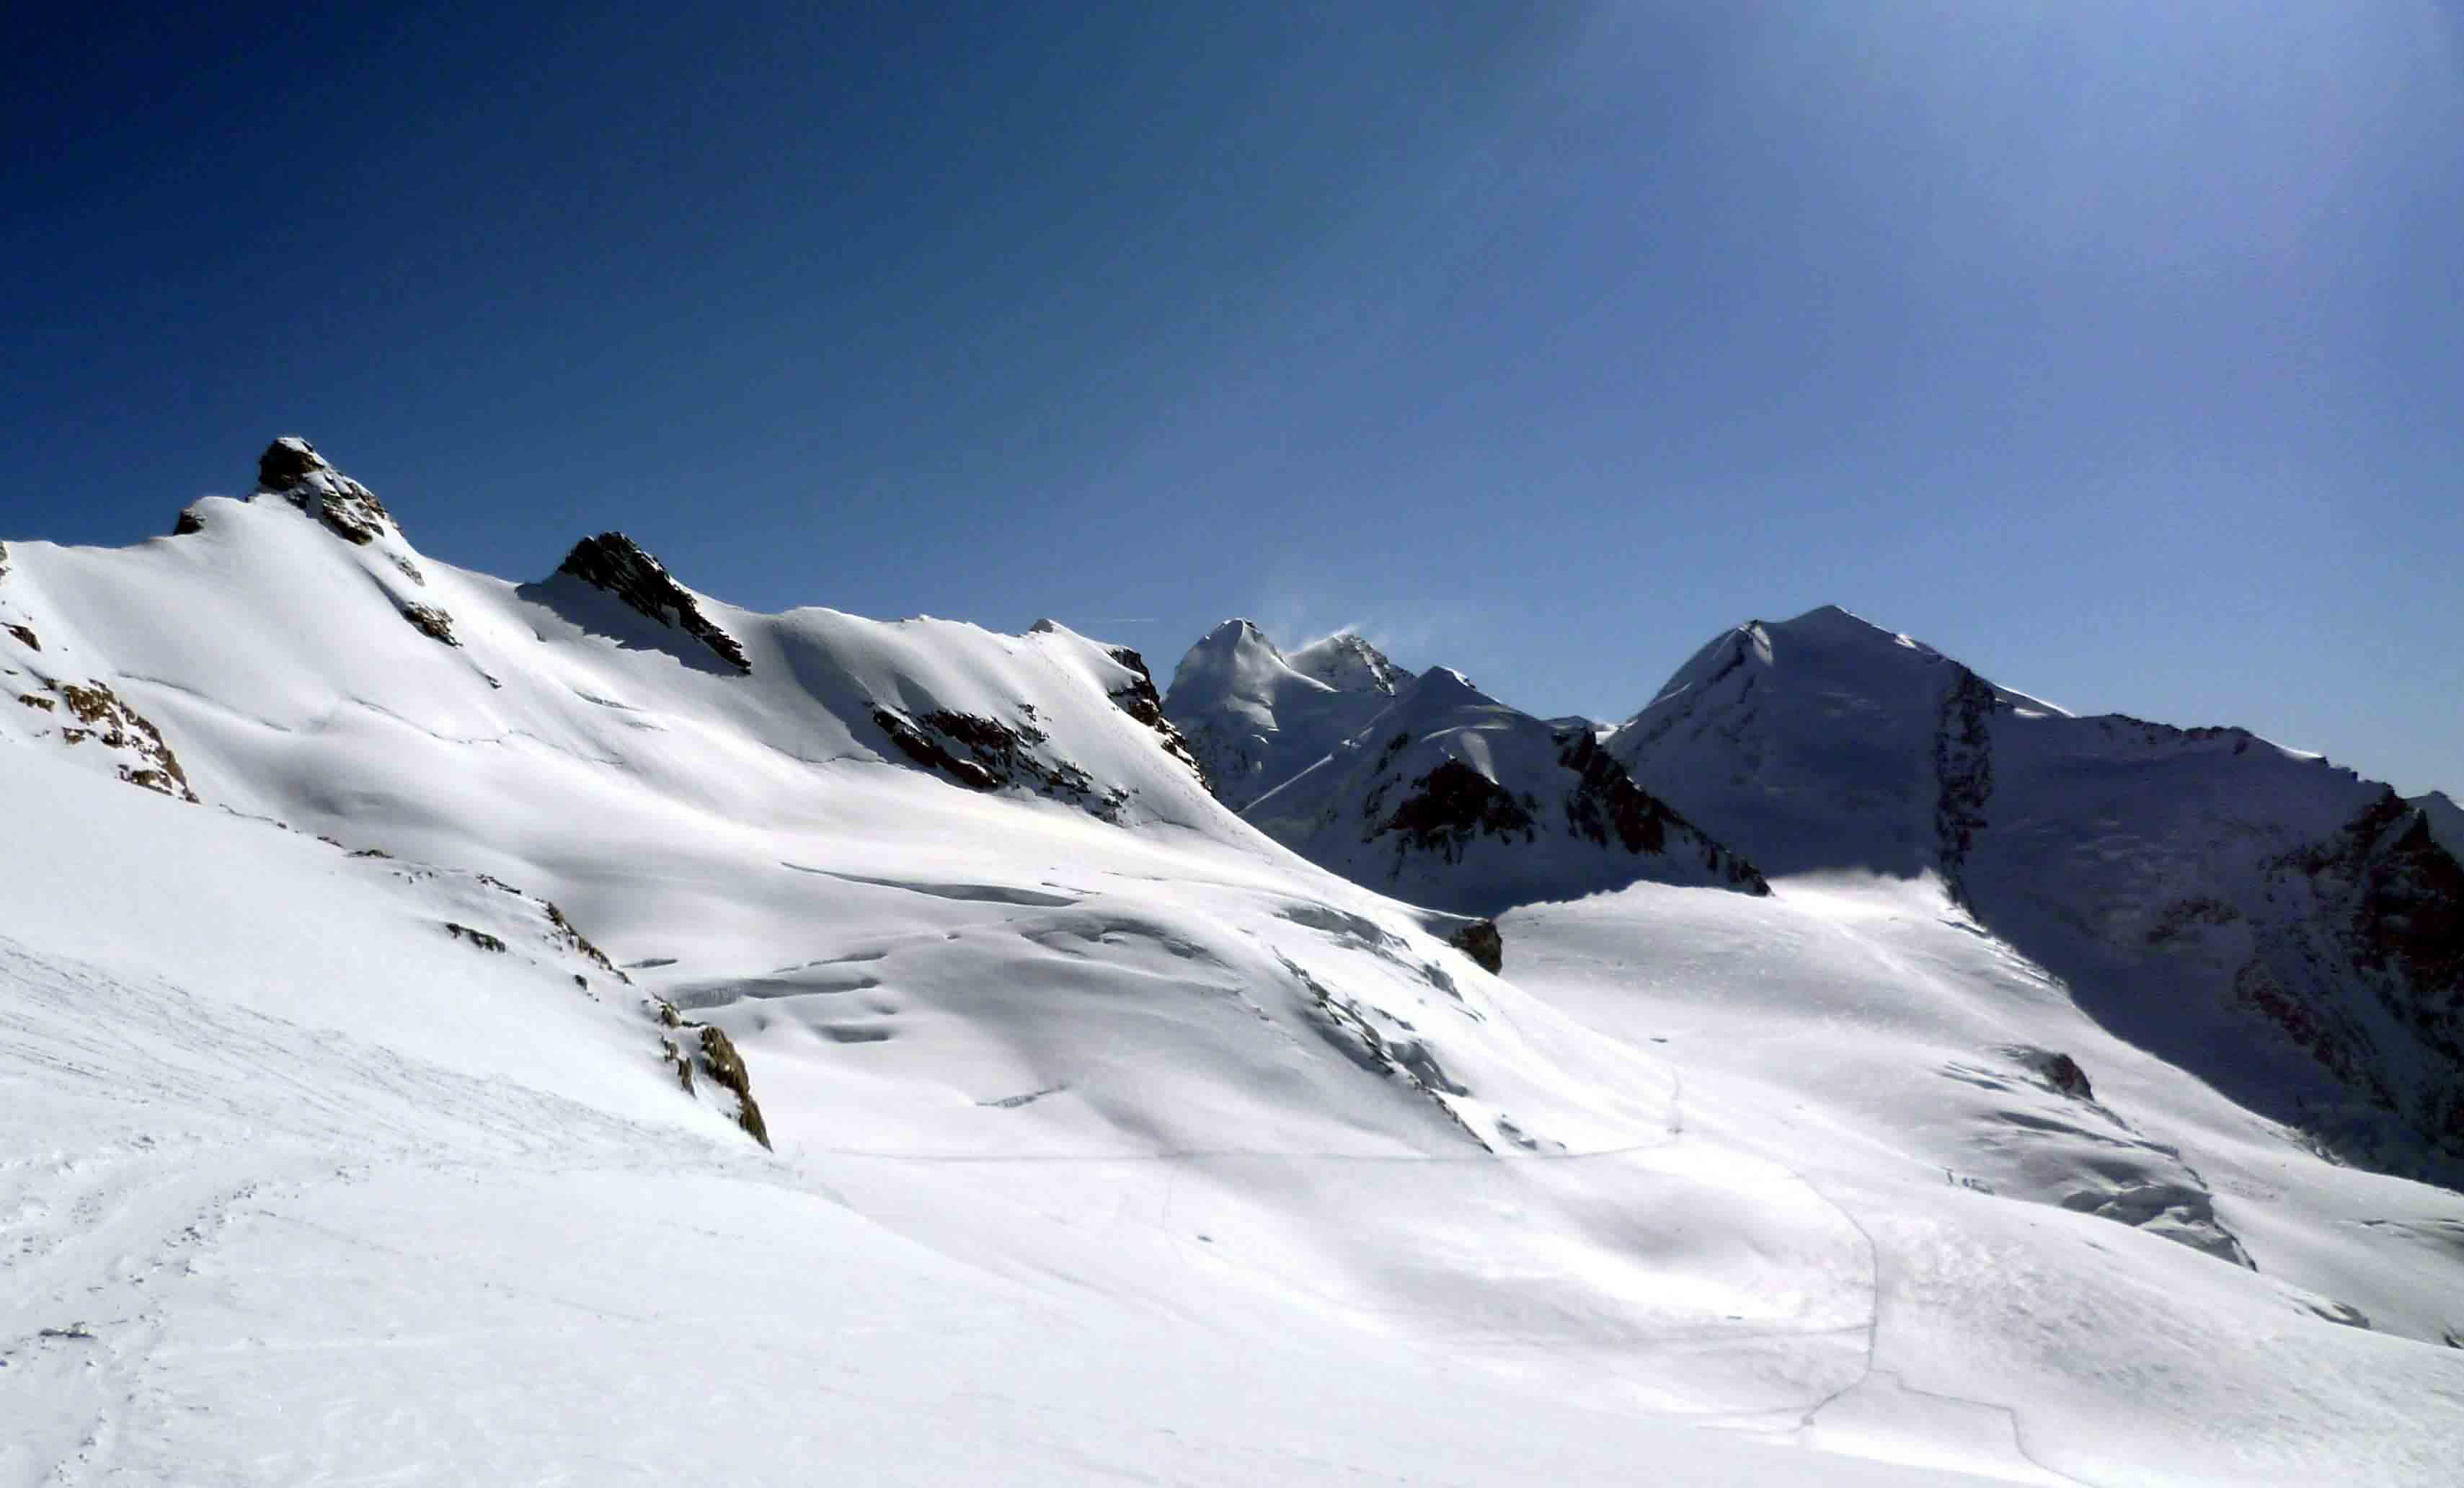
x=1829, y=625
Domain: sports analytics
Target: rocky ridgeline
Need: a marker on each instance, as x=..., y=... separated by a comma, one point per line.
x=986, y=754
x=292, y=471
x=618, y=564
x=1140, y=700
x=1606, y=805
x=292, y=468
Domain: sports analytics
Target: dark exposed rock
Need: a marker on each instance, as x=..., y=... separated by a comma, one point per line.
x=719, y=1059
x=477, y=937
x=1606, y=802
x=430, y=621
x=2391, y=919
x=618, y=564
x=37, y=700
x=1481, y=941
x=188, y=523
x=1143, y=702
x=579, y=943
x=723, y=1064
x=291, y=468
x=1963, y=760
x=287, y=461
x=986, y=754
x=2067, y=1076
x=26, y=636
x=923, y=748
x=1452, y=804
x=104, y=720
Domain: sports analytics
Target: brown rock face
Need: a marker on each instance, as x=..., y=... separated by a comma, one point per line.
x=430, y=621
x=291, y=468
x=102, y=719
x=618, y=564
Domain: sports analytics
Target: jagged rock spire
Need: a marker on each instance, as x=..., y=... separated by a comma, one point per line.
x=619, y=565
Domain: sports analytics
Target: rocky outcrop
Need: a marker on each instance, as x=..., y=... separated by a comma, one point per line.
x=986, y=754
x=430, y=621
x=1481, y=941
x=2385, y=914
x=1605, y=804
x=707, y=1049
x=1449, y=806
x=1142, y=703
x=1963, y=766
x=616, y=564
x=478, y=938
x=292, y=468
x=92, y=713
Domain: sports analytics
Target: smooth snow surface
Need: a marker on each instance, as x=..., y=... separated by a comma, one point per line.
x=1114, y=1141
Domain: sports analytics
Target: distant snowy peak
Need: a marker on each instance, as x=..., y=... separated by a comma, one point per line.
x=2251, y=910
x=1450, y=799
x=1256, y=717
x=619, y=565
x=1348, y=664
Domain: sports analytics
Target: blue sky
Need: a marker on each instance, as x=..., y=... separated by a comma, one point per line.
x=2115, y=349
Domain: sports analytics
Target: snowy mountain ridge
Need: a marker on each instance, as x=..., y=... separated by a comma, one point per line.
x=426, y=1150
x=2281, y=924
x=1450, y=799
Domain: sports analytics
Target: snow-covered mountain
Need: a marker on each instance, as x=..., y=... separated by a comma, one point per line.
x=1449, y=798
x=2280, y=925
x=1256, y=717
x=1107, y=1136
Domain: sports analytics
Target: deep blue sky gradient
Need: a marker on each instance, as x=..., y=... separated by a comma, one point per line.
x=2116, y=349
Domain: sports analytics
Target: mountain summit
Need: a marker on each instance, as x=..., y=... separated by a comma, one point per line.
x=1254, y=718
x=2289, y=929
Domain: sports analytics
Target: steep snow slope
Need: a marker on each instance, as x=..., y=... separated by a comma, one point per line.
x=2280, y=926
x=1256, y=717
x=1450, y=799
x=1112, y=1138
